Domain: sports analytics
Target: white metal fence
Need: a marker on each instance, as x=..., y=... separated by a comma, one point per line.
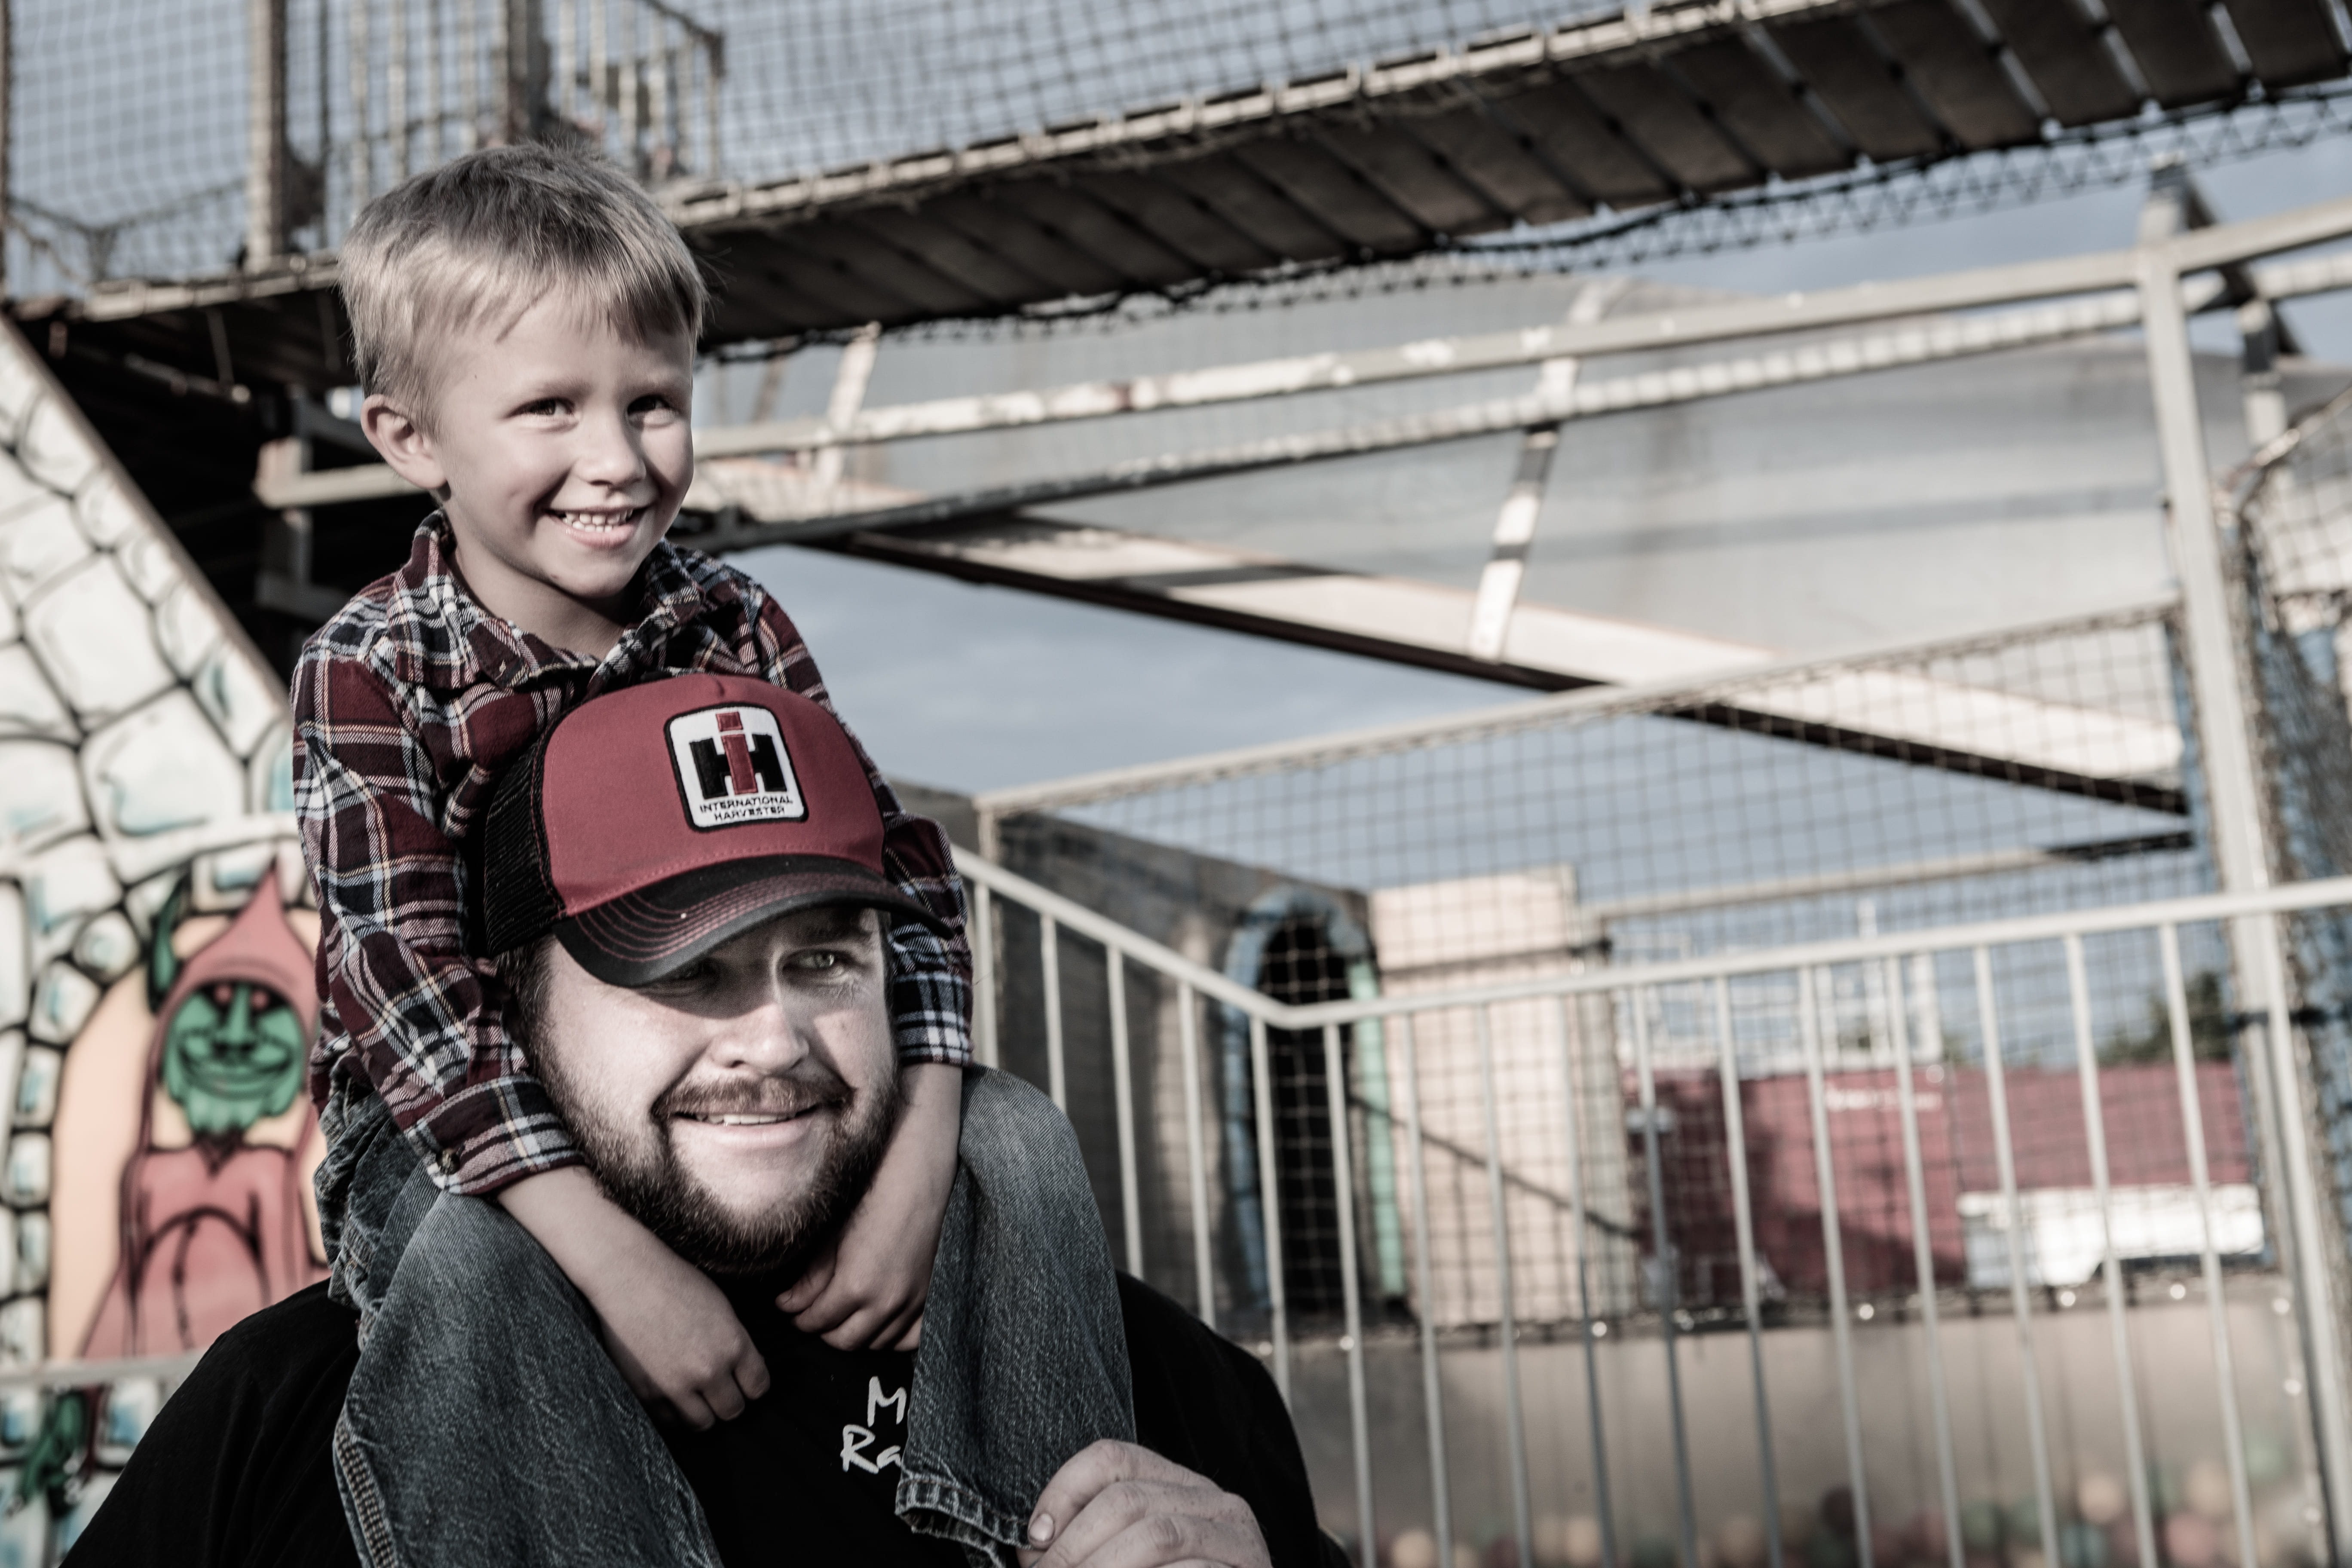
x=2112, y=1473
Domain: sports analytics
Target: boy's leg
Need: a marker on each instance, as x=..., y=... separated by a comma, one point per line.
x=1024, y=1355
x=484, y=1423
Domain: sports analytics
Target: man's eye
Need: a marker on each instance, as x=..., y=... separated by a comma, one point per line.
x=820, y=960
x=692, y=974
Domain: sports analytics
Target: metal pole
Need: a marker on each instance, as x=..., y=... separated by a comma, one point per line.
x=2095, y=1127
x=8, y=132
x=1514, y=1434
x=396, y=84
x=356, y=22
x=436, y=94
x=983, y=976
x=1833, y=1251
x=1667, y=1266
x=1049, y=966
x=1515, y=531
x=1343, y=1184
x=1735, y=1133
x=1122, y=1079
x=2216, y=1306
x=1923, y=1258
x=1581, y=1222
x=1997, y=1094
x=1188, y=1035
x=567, y=72
x=1270, y=1205
x=265, y=139
x=1441, y=1486
x=470, y=71
x=2233, y=788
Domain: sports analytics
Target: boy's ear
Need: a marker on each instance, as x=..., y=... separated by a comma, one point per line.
x=402, y=442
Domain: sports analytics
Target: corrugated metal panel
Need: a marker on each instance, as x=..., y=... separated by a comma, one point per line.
x=1858, y=85
x=1957, y=72
x=1502, y=164
x=1765, y=112
x=2290, y=41
x=2060, y=52
x=2179, y=54
x=1647, y=106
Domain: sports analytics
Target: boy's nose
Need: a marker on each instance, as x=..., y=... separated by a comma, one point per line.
x=608, y=453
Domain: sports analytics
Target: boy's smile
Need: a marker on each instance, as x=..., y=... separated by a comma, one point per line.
x=562, y=449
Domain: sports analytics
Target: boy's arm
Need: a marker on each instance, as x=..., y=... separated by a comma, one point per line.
x=869, y=1289
x=425, y=1016
x=669, y=1330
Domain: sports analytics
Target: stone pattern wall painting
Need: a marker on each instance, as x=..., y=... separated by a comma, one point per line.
x=156, y=997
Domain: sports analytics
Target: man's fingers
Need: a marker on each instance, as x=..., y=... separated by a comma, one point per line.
x=1155, y=1524
x=1087, y=1473
x=1165, y=1540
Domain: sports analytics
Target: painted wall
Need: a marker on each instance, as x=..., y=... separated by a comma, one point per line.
x=156, y=1000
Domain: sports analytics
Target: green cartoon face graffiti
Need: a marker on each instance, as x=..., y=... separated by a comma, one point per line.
x=232, y=1055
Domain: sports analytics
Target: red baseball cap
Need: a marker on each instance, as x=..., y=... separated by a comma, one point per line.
x=651, y=823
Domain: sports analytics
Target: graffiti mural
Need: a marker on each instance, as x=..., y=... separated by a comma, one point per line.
x=212, y=1220
x=155, y=992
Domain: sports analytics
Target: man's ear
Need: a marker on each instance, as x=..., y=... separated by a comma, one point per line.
x=403, y=442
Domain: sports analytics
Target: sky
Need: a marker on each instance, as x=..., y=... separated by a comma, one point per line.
x=970, y=688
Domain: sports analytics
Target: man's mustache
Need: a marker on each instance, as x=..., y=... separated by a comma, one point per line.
x=807, y=1085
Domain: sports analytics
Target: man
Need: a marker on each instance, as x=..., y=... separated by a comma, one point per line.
x=695, y=961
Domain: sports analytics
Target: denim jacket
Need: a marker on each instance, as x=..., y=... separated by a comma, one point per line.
x=486, y=1422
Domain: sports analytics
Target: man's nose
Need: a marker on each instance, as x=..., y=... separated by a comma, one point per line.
x=764, y=1038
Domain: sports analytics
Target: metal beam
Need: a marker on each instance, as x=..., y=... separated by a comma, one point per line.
x=1926, y=343
x=2233, y=789
x=1658, y=697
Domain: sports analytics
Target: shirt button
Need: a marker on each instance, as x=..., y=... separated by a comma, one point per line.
x=449, y=1160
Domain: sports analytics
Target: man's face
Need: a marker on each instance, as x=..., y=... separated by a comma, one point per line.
x=739, y=1108
x=566, y=448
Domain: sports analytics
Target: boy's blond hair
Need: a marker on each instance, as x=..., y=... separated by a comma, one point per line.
x=487, y=236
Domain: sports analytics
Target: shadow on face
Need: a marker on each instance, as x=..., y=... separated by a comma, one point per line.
x=738, y=1107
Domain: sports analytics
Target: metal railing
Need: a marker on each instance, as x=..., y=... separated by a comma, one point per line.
x=2299, y=1210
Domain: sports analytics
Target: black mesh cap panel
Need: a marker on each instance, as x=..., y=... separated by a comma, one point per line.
x=518, y=884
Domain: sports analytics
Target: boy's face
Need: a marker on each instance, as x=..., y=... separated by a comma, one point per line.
x=564, y=448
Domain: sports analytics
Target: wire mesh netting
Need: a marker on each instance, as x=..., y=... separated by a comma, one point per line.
x=131, y=128
x=2008, y=777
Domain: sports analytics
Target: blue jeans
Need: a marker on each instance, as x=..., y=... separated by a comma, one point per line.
x=485, y=1422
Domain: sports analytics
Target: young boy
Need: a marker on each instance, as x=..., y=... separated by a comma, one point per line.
x=524, y=322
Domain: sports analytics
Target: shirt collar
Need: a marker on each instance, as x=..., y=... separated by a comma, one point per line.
x=442, y=637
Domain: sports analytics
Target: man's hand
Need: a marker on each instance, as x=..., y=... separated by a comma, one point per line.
x=866, y=1291
x=1115, y=1505
x=669, y=1330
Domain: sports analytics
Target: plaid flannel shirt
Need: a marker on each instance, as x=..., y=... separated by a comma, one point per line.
x=408, y=706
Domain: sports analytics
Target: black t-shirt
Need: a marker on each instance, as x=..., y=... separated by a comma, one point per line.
x=235, y=1471
x=826, y=1439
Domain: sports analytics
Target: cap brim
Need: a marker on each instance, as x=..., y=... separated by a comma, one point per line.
x=645, y=936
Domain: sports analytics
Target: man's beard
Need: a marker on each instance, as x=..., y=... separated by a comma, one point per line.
x=644, y=1176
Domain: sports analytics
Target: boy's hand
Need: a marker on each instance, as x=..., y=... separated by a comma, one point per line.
x=669, y=1330
x=865, y=1292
